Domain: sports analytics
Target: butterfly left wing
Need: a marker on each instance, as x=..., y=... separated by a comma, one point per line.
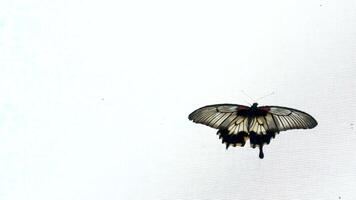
x=217, y=116
x=233, y=128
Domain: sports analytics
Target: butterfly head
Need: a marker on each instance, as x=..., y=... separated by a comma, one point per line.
x=254, y=105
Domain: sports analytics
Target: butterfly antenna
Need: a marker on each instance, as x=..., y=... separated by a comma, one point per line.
x=248, y=102
x=243, y=92
x=272, y=93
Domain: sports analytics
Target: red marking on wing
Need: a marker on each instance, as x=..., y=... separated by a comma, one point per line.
x=265, y=108
x=242, y=108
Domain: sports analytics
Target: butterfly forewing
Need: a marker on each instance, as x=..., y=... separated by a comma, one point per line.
x=284, y=118
x=216, y=116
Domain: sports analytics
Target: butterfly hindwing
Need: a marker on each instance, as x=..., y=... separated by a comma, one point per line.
x=233, y=128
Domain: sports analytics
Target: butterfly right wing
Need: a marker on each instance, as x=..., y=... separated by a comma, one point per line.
x=283, y=118
x=263, y=128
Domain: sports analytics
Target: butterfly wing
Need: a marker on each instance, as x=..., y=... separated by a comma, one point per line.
x=233, y=128
x=263, y=128
x=282, y=118
x=219, y=116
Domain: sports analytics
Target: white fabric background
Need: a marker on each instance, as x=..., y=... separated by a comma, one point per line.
x=94, y=98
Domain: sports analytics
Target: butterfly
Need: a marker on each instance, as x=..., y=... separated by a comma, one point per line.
x=238, y=123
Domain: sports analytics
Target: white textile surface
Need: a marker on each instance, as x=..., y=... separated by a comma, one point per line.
x=95, y=97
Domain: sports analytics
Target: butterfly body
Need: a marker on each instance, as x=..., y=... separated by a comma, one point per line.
x=238, y=123
x=252, y=111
